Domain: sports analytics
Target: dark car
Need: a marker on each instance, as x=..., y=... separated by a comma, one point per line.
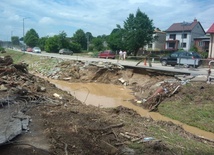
x=23, y=49
x=182, y=58
x=107, y=54
x=65, y=51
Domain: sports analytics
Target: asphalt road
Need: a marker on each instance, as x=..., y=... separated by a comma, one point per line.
x=155, y=66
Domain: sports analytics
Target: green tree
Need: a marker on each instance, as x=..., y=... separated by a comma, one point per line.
x=31, y=38
x=80, y=38
x=89, y=38
x=98, y=43
x=42, y=42
x=15, y=40
x=115, y=40
x=75, y=47
x=57, y=42
x=138, y=31
x=63, y=41
x=52, y=45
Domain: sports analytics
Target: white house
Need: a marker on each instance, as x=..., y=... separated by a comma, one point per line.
x=158, y=43
x=181, y=35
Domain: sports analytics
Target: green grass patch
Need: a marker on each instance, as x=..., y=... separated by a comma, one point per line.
x=201, y=116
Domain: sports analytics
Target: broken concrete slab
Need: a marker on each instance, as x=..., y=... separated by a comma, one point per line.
x=12, y=124
x=184, y=77
x=199, y=78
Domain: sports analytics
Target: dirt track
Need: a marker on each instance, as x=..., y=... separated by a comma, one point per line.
x=66, y=126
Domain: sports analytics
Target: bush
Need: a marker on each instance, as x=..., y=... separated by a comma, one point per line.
x=2, y=49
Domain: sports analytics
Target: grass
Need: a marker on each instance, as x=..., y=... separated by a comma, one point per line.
x=178, y=143
x=192, y=106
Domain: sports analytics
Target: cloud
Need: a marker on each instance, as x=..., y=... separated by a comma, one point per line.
x=97, y=16
x=46, y=21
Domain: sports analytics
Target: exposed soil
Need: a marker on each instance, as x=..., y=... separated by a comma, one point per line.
x=63, y=125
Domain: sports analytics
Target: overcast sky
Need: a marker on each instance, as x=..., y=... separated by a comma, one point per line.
x=50, y=17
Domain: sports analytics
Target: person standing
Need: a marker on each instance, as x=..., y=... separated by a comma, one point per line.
x=121, y=55
x=124, y=55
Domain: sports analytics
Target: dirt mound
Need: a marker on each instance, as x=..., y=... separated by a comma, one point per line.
x=63, y=125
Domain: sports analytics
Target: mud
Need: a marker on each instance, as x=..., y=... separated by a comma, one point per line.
x=61, y=124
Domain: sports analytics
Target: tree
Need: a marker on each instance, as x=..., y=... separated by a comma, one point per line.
x=80, y=38
x=115, y=39
x=31, y=38
x=89, y=37
x=138, y=31
x=75, y=47
x=98, y=43
x=63, y=41
x=57, y=42
x=42, y=42
x=15, y=40
x=52, y=45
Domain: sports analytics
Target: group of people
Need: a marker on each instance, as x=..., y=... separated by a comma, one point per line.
x=122, y=55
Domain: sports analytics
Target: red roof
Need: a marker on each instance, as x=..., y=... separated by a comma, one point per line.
x=211, y=29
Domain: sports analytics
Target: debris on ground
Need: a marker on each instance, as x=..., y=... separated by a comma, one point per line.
x=60, y=124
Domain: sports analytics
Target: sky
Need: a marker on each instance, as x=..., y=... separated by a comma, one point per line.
x=50, y=17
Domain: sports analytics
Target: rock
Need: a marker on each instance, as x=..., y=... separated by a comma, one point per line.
x=41, y=89
x=3, y=88
x=122, y=80
x=127, y=151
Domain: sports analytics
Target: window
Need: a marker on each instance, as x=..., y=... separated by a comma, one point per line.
x=201, y=43
x=174, y=55
x=171, y=45
x=150, y=46
x=184, y=35
x=183, y=45
x=172, y=36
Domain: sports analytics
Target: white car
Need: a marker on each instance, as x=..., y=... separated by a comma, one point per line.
x=36, y=50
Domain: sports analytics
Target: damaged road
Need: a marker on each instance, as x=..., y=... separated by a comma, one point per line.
x=67, y=126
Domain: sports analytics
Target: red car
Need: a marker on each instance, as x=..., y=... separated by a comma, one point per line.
x=107, y=54
x=29, y=49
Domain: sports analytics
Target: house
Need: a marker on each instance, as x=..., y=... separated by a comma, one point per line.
x=211, y=45
x=202, y=43
x=158, y=43
x=181, y=35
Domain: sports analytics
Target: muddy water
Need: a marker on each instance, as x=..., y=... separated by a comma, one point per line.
x=107, y=95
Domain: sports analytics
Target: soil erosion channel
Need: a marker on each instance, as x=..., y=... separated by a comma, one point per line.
x=108, y=95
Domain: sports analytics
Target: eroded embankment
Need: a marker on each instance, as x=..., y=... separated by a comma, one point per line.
x=149, y=91
x=75, y=128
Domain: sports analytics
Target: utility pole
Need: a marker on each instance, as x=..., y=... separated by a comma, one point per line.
x=182, y=35
x=24, y=27
x=11, y=38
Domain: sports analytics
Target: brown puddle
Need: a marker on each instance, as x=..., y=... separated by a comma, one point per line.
x=107, y=96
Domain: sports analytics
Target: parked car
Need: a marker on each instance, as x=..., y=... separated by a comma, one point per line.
x=29, y=49
x=65, y=51
x=107, y=54
x=23, y=49
x=36, y=50
x=183, y=58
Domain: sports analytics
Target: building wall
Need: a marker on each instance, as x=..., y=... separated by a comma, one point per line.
x=189, y=40
x=196, y=32
x=158, y=44
x=211, y=47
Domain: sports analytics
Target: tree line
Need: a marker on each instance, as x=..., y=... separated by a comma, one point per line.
x=136, y=32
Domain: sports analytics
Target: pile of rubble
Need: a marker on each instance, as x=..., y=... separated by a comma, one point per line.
x=17, y=89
